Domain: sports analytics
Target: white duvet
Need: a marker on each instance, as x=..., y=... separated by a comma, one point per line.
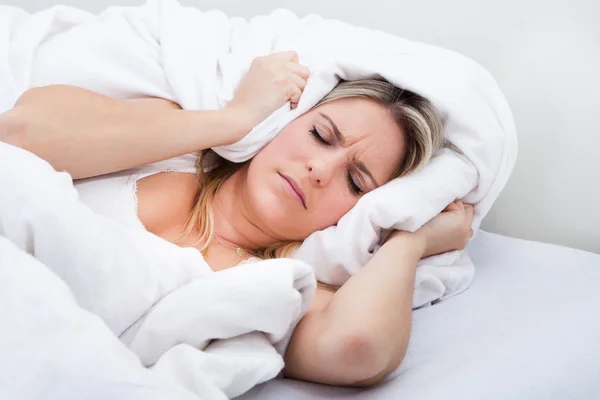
x=72, y=281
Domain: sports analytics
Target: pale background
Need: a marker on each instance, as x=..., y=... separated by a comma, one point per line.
x=545, y=56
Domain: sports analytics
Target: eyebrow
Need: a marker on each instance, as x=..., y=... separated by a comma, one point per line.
x=340, y=137
x=336, y=131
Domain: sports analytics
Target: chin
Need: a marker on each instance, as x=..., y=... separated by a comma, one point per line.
x=267, y=205
x=274, y=210
x=280, y=216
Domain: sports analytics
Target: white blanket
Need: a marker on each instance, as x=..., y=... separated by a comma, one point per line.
x=197, y=58
x=163, y=301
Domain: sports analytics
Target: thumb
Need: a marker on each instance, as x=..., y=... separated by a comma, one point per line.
x=451, y=207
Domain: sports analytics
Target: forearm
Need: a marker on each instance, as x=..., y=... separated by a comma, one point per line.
x=88, y=134
x=376, y=304
x=359, y=334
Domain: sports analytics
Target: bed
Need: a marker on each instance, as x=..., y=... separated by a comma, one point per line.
x=527, y=328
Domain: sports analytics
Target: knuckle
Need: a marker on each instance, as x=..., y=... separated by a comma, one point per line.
x=303, y=77
x=464, y=241
x=293, y=92
x=305, y=72
x=281, y=80
x=258, y=63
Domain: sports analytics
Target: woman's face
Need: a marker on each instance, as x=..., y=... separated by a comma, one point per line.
x=320, y=164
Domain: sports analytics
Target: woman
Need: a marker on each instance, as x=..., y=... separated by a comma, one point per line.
x=361, y=135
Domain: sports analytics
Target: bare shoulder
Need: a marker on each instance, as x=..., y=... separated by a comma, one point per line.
x=165, y=200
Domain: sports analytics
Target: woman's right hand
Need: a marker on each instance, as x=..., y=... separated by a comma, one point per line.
x=271, y=81
x=449, y=230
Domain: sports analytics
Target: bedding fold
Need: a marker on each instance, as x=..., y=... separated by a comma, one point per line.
x=163, y=301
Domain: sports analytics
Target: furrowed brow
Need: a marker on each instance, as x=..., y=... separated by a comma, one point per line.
x=339, y=136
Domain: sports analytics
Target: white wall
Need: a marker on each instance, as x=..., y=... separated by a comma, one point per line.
x=545, y=56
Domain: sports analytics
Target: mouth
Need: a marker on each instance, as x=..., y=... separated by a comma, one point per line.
x=294, y=190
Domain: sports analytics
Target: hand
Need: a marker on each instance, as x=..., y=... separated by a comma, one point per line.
x=449, y=230
x=271, y=81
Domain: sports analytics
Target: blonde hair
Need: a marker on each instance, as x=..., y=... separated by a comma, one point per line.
x=418, y=118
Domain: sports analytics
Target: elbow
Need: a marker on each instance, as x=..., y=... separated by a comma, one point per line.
x=13, y=127
x=16, y=122
x=364, y=359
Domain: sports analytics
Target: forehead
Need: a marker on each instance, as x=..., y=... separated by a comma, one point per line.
x=370, y=132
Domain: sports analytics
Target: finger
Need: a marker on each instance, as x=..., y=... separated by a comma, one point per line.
x=468, y=216
x=460, y=204
x=294, y=94
x=298, y=69
x=454, y=207
x=470, y=211
x=451, y=207
x=285, y=55
x=297, y=80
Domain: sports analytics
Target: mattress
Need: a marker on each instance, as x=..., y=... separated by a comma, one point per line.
x=527, y=328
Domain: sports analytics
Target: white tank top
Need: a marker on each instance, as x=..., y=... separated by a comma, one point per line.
x=114, y=195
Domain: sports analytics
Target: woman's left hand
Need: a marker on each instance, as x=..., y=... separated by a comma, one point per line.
x=449, y=230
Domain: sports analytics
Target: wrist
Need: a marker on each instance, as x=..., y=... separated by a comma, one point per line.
x=210, y=128
x=415, y=241
x=239, y=120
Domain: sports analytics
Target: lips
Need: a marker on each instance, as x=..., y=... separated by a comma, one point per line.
x=295, y=188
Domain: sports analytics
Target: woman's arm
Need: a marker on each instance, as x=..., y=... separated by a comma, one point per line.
x=88, y=134
x=360, y=334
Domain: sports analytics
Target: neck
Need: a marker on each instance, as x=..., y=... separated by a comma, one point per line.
x=235, y=221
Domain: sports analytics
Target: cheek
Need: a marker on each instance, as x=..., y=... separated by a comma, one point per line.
x=337, y=202
x=285, y=146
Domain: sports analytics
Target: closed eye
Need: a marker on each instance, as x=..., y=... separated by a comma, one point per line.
x=318, y=137
x=354, y=188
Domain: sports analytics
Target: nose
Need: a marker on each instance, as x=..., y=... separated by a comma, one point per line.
x=320, y=171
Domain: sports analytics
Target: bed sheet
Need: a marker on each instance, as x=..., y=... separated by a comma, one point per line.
x=528, y=328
